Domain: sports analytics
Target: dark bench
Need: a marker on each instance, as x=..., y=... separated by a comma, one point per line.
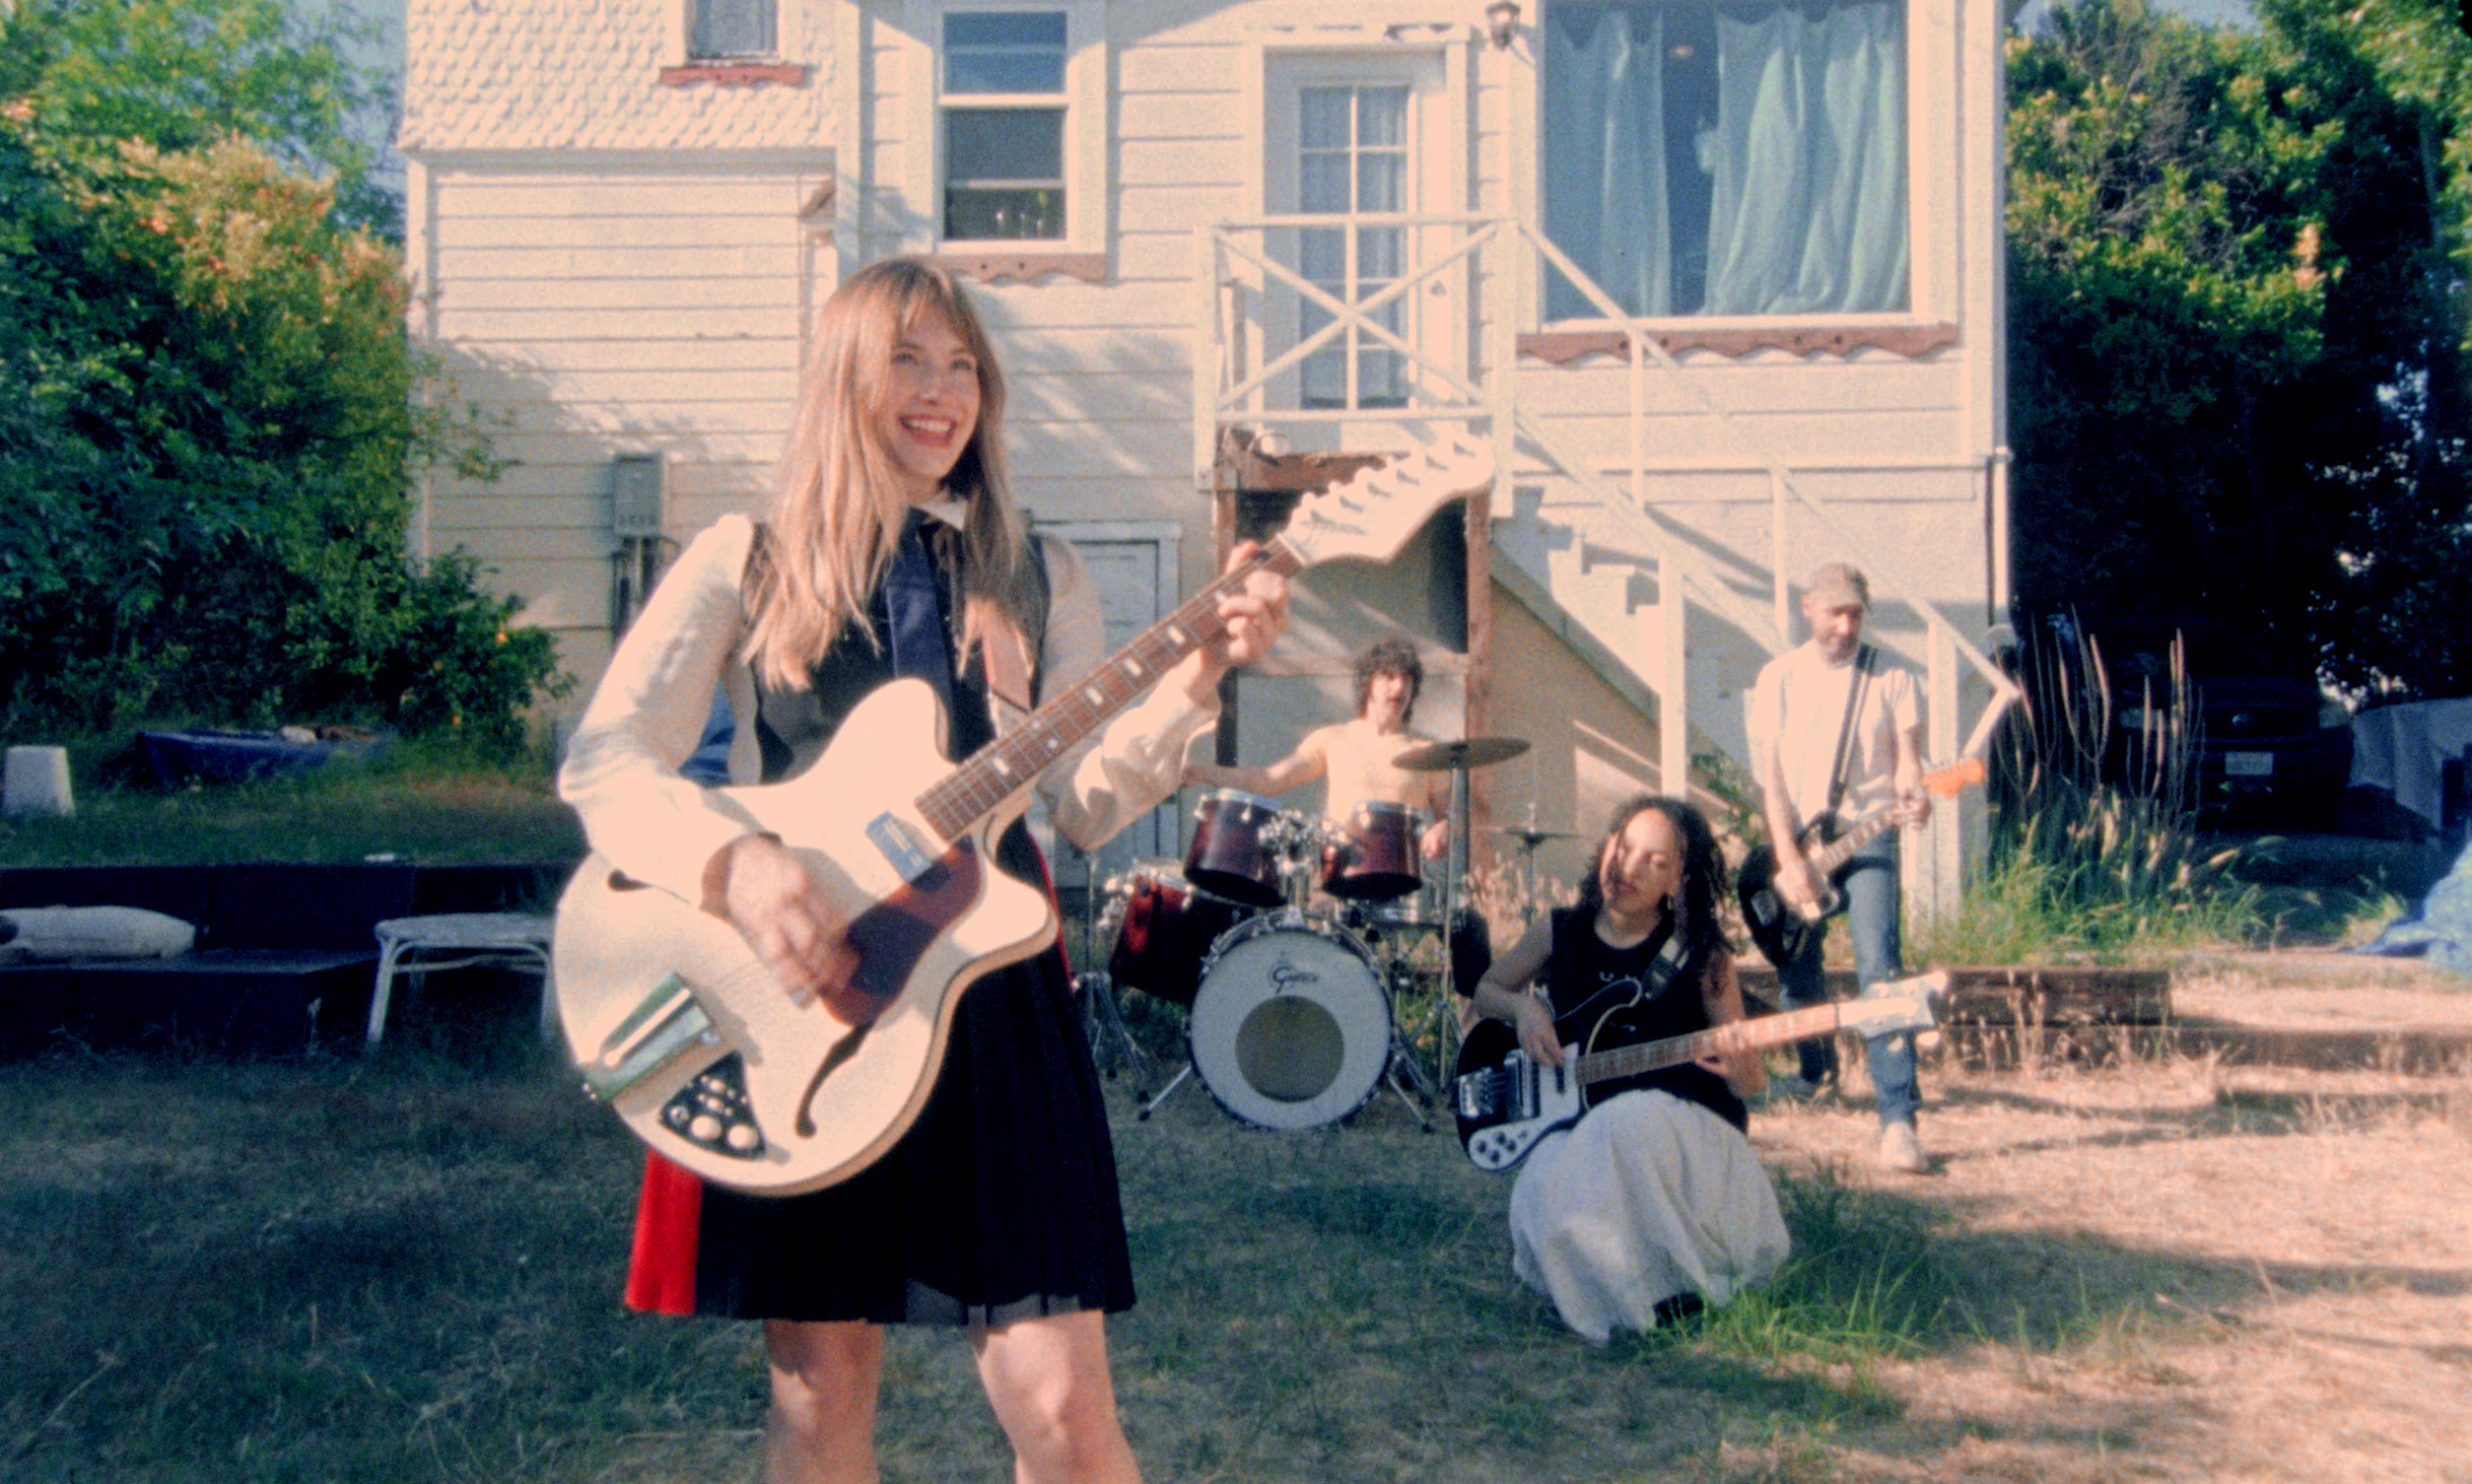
x=285, y=954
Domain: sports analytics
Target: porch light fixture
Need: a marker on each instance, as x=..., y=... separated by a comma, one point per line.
x=1502, y=22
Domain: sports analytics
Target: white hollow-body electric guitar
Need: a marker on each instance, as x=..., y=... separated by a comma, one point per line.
x=681, y=1028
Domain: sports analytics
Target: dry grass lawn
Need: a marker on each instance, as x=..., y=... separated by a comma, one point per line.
x=405, y=1267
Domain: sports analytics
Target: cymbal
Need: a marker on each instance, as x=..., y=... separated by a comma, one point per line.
x=1532, y=838
x=1448, y=757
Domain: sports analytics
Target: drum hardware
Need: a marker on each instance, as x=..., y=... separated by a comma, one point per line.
x=1530, y=836
x=1094, y=989
x=1457, y=759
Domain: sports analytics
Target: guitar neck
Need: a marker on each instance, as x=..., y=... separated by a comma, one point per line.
x=1839, y=850
x=997, y=772
x=1756, y=1034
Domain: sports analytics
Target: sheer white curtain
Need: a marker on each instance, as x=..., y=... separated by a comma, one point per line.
x=1603, y=156
x=1808, y=213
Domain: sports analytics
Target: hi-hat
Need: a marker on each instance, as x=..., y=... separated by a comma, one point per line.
x=1531, y=837
x=1448, y=757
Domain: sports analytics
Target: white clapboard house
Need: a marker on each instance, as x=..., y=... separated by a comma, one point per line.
x=1719, y=284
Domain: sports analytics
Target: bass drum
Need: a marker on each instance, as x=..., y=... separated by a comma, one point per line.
x=1291, y=1027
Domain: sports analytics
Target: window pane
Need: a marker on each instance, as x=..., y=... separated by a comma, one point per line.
x=1743, y=159
x=1003, y=174
x=1381, y=182
x=1013, y=146
x=1003, y=214
x=732, y=29
x=1005, y=51
x=1382, y=117
x=1322, y=256
x=1321, y=183
x=1381, y=252
x=1323, y=121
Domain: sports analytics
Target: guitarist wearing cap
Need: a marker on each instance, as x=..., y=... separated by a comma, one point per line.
x=1835, y=733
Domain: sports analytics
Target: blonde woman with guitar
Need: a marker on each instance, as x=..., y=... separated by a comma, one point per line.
x=1653, y=1203
x=895, y=551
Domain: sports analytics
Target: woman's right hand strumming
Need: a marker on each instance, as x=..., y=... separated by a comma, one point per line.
x=759, y=886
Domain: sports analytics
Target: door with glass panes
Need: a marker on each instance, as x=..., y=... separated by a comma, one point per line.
x=1353, y=139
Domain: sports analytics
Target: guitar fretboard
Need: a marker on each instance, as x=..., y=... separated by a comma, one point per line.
x=1003, y=768
x=1756, y=1035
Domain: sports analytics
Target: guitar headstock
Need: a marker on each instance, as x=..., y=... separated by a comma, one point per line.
x=1374, y=514
x=1951, y=781
x=1893, y=1005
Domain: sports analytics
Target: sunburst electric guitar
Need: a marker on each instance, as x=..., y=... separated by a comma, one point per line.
x=679, y=1028
x=1506, y=1103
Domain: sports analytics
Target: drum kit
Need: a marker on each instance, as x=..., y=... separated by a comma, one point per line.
x=1289, y=942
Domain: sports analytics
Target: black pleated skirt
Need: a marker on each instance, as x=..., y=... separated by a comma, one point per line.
x=1000, y=1204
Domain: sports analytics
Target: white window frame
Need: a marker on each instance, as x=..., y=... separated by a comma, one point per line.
x=1085, y=127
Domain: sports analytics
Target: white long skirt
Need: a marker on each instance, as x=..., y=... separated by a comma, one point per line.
x=1650, y=1195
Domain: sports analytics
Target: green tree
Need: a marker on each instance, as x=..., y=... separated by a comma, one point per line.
x=2237, y=328
x=179, y=74
x=208, y=434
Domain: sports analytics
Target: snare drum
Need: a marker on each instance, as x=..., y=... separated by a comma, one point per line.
x=1375, y=859
x=1229, y=854
x=1291, y=1027
x=1167, y=932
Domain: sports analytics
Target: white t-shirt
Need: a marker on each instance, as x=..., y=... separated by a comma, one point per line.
x=1795, y=709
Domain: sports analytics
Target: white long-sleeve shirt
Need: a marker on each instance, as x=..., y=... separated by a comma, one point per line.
x=621, y=773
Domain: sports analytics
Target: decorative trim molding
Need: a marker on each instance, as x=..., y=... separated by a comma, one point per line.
x=736, y=74
x=1024, y=267
x=1561, y=347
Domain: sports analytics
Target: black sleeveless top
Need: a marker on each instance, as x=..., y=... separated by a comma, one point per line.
x=1000, y=1202
x=1599, y=994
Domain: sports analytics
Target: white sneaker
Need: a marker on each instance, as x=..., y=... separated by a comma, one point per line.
x=1901, y=1151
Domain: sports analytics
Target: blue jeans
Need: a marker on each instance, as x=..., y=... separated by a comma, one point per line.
x=1870, y=884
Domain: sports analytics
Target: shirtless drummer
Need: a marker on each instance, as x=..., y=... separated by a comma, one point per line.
x=1355, y=756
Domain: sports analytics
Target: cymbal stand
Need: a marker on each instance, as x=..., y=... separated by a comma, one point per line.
x=1103, y=1020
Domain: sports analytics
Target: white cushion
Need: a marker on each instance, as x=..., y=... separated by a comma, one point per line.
x=96, y=932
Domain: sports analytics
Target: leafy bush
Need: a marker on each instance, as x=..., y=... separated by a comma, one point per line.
x=208, y=434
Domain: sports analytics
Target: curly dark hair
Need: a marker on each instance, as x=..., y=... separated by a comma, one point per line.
x=1695, y=918
x=1390, y=656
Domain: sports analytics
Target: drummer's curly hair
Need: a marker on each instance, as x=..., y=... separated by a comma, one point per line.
x=1390, y=656
x=1703, y=869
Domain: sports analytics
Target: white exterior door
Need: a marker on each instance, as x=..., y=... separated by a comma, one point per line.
x=1355, y=139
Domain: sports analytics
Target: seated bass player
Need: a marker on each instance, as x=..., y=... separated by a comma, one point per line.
x=1654, y=1203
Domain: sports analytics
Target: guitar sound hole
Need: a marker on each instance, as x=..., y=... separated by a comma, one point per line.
x=712, y=1113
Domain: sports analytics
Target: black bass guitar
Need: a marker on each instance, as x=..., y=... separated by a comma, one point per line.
x=1506, y=1103
x=1777, y=927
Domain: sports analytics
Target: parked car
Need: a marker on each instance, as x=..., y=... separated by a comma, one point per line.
x=2273, y=750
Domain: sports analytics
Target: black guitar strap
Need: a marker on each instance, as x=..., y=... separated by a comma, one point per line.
x=1837, y=779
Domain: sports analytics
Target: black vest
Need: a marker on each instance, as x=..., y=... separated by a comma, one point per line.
x=1595, y=989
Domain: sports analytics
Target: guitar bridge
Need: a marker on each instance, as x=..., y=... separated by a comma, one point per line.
x=664, y=1024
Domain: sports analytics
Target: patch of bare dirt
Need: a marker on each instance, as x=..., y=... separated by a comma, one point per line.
x=2272, y=1267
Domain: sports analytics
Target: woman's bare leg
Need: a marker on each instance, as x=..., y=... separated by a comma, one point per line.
x=822, y=1424
x=1048, y=1380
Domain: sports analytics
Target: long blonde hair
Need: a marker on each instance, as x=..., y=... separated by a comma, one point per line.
x=841, y=505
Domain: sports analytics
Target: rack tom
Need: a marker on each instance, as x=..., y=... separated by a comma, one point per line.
x=1230, y=853
x=1375, y=859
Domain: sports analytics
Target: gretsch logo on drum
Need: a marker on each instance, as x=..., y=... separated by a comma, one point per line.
x=1285, y=973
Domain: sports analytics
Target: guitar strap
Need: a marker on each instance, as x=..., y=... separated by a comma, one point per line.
x=1837, y=770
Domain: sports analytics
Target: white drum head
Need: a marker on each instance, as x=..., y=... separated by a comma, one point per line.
x=1291, y=1028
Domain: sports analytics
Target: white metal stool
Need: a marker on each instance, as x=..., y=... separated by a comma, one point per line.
x=459, y=940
